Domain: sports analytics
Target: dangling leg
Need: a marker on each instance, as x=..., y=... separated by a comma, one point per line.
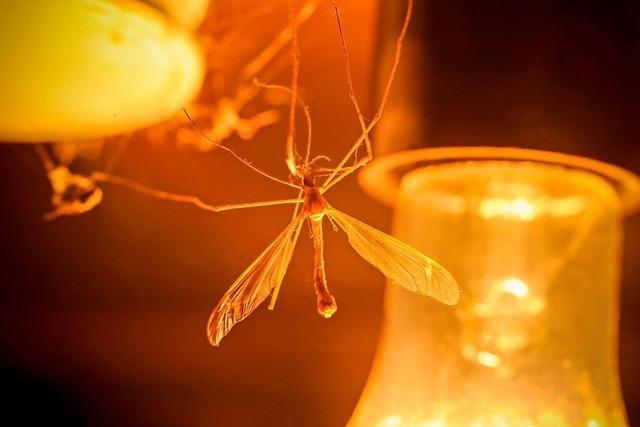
x=233, y=153
x=248, y=92
x=305, y=109
x=332, y=179
x=352, y=93
x=282, y=39
x=291, y=151
x=326, y=303
x=182, y=198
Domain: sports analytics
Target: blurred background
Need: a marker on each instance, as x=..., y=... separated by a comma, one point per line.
x=103, y=315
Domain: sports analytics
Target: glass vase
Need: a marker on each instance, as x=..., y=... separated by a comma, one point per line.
x=534, y=241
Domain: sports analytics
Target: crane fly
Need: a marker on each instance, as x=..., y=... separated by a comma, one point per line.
x=401, y=263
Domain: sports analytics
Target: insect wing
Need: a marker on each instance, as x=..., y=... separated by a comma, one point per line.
x=254, y=285
x=400, y=262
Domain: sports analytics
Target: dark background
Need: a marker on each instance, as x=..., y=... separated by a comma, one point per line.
x=102, y=316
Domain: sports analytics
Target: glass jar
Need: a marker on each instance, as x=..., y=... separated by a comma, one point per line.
x=534, y=241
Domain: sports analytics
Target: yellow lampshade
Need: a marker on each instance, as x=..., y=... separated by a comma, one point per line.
x=85, y=69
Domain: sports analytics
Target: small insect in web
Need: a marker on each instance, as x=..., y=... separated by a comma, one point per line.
x=401, y=263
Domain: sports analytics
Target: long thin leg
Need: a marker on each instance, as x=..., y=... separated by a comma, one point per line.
x=291, y=152
x=364, y=137
x=182, y=198
x=329, y=171
x=302, y=104
x=326, y=303
x=246, y=94
x=340, y=173
x=268, y=53
x=233, y=153
x=352, y=93
x=224, y=25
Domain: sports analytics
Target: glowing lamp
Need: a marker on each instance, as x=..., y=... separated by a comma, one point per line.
x=533, y=239
x=85, y=69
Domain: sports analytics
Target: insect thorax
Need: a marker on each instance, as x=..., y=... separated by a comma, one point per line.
x=314, y=204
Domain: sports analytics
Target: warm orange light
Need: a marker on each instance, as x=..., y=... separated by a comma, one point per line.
x=518, y=207
x=94, y=68
x=515, y=287
x=488, y=359
x=535, y=248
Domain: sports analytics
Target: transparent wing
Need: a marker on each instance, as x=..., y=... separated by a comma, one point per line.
x=401, y=263
x=255, y=284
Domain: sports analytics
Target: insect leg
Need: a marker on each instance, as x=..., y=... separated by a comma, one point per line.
x=339, y=174
x=182, y=198
x=305, y=109
x=233, y=153
x=291, y=151
x=364, y=137
x=352, y=93
x=268, y=53
x=260, y=63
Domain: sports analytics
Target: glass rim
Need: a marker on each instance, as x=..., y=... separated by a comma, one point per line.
x=381, y=178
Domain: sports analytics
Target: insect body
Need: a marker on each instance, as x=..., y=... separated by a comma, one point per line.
x=401, y=263
x=314, y=205
x=314, y=209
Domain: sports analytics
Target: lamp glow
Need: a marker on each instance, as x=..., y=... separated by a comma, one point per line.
x=518, y=208
x=79, y=70
x=516, y=287
x=535, y=249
